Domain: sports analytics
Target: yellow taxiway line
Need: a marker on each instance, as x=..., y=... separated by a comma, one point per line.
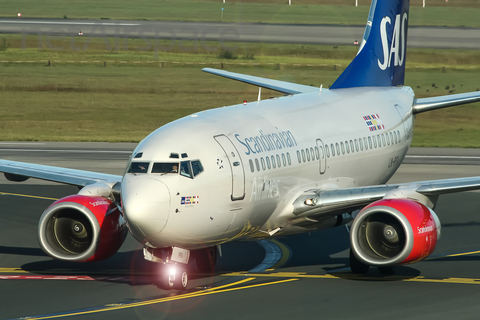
x=25, y=196
x=113, y=307
x=348, y=276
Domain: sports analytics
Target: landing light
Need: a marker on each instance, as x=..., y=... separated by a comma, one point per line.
x=311, y=202
x=172, y=271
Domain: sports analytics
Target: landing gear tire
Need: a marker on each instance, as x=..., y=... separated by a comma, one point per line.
x=387, y=271
x=357, y=266
x=206, y=259
x=181, y=279
x=174, y=277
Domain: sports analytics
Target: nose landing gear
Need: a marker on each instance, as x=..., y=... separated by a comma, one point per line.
x=174, y=272
x=175, y=277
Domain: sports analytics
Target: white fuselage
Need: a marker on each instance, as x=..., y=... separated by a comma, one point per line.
x=240, y=194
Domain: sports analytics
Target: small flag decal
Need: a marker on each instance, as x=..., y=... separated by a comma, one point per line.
x=190, y=200
x=373, y=122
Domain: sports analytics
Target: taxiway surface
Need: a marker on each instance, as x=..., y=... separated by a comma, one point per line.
x=313, y=280
x=418, y=37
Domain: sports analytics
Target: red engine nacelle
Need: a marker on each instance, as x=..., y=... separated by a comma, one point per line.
x=82, y=228
x=394, y=231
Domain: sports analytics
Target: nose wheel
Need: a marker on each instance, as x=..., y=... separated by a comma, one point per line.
x=175, y=277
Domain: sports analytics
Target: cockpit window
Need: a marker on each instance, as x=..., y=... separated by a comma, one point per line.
x=189, y=169
x=196, y=167
x=138, y=167
x=185, y=169
x=165, y=167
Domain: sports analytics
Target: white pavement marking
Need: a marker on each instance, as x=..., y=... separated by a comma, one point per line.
x=22, y=143
x=73, y=23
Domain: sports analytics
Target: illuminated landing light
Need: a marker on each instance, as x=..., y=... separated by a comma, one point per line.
x=311, y=202
x=172, y=270
x=19, y=15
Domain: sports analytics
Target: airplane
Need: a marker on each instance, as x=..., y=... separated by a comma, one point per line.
x=312, y=159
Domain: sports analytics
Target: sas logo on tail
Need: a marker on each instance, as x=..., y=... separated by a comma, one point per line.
x=398, y=46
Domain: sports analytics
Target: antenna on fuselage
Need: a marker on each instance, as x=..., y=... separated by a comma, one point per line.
x=320, y=90
x=259, y=94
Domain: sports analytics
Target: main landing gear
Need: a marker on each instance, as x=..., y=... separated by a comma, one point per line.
x=359, y=267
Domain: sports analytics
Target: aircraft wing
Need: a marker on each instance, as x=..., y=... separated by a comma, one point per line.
x=324, y=203
x=20, y=171
x=276, y=85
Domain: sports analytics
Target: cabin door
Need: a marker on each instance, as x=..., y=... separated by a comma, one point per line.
x=322, y=156
x=236, y=167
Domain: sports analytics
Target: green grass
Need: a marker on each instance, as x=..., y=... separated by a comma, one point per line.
x=86, y=102
x=28, y=49
x=457, y=13
x=126, y=100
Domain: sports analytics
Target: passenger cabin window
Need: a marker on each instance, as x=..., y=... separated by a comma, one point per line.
x=138, y=167
x=251, y=165
x=165, y=167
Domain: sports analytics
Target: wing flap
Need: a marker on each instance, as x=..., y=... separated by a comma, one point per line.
x=56, y=174
x=276, y=85
x=325, y=203
x=428, y=104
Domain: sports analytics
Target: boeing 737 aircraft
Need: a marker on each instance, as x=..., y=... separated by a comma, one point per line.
x=309, y=160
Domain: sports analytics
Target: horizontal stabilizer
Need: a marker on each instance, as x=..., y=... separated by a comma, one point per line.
x=276, y=85
x=427, y=104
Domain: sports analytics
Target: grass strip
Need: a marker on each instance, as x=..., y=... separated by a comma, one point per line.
x=124, y=103
x=122, y=95
x=437, y=13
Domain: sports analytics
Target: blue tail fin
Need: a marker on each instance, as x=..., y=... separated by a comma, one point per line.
x=380, y=60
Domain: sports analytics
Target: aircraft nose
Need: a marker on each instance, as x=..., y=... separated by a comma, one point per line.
x=146, y=206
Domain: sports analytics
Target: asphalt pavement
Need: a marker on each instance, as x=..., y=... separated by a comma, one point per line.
x=312, y=282
x=418, y=37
